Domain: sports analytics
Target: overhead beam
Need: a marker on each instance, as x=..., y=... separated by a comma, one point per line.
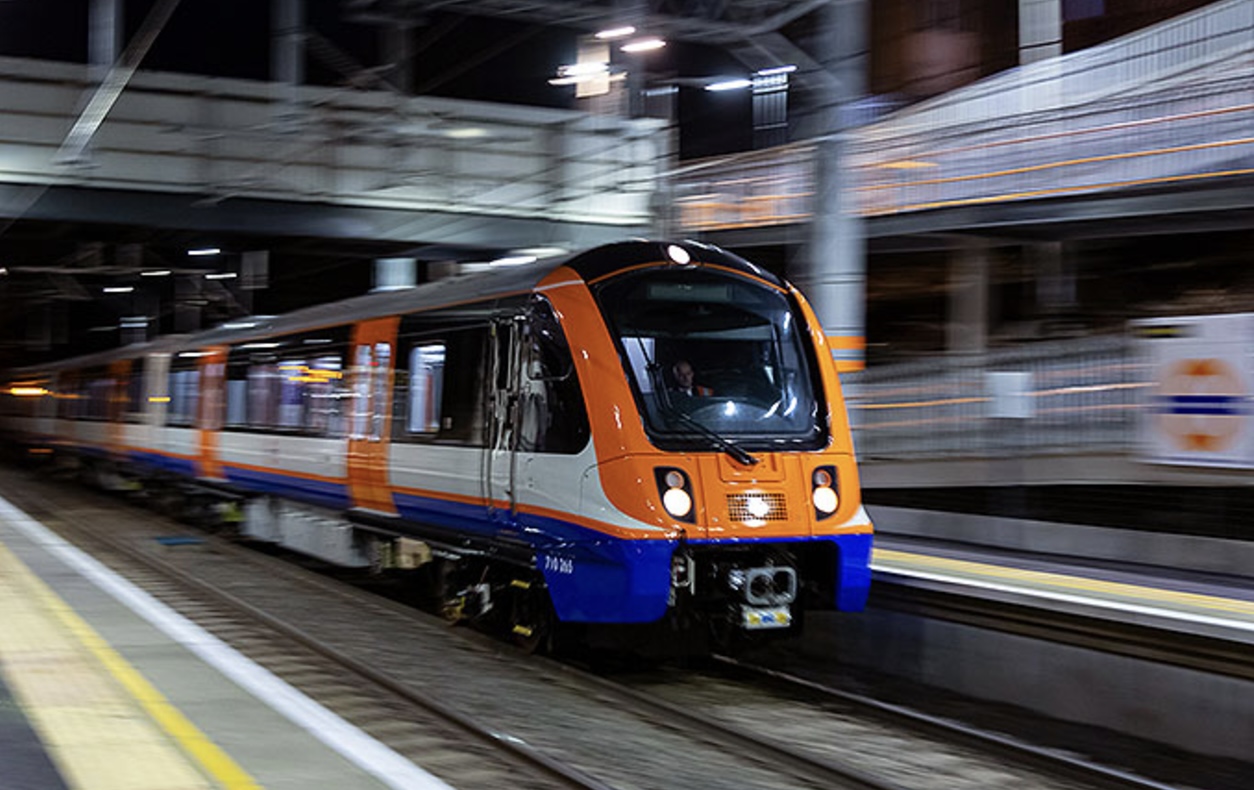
x=738, y=20
x=111, y=87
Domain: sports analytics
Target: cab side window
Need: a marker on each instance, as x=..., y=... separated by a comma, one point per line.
x=554, y=419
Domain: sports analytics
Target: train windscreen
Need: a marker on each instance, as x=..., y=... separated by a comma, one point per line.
x=715, y=356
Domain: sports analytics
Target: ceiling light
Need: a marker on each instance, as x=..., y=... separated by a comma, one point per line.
x=200, y=252
x=541, y=252
x=221, y=276
x=771, y=72
x=615, y=32
x=588, y=69
x=118, y=289
x=514, y=260
x=466, y=133
x=729, y=85
x=156, y=273
x=644, y=45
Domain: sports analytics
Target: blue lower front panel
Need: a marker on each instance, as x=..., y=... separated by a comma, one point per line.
x=593, y=578
x=609, y=581
x=853, y=572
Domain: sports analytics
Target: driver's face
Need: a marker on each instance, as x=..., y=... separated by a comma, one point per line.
x=683, y=375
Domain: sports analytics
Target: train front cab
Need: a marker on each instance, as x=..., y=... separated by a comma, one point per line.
x=735, y=509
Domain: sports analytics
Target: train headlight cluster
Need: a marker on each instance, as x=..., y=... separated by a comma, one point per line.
x=824, y=493
x=676, y=491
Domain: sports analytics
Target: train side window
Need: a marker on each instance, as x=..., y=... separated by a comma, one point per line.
x=70, y=396
x=324, y=389
x=263, y=394
x=292, y=384
x=363, y=387
x=99, y=392
x=237, y=389
x=382, y=371
x=184, y=391
x=440, y=384
x=135, y=400
x=426, y=388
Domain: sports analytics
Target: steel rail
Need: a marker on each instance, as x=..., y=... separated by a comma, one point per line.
x=1026, y=754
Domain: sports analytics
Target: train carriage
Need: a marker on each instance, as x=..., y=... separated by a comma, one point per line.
x=517, y=436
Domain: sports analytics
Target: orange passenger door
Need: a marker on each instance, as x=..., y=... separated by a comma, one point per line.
x=212, y=407
x=370, y=424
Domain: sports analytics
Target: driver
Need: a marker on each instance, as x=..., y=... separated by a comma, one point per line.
x=685, y=380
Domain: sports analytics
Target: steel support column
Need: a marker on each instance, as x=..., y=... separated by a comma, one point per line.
x=831, y=270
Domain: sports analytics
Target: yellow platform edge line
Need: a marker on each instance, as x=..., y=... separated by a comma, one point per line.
x=212, y=760
x=906, y=560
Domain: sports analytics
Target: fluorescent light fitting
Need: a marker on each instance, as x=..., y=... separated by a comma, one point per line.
x=514, y=260
x=616, y=76
x=729, y=85
x=221, y=276
x=466, y=133
x=156, y=273
x=541, y=252
x=611, y=33
x=643, y=45
x=771, y=72
x=592, y=68
x=200, y=252
x=118, y=289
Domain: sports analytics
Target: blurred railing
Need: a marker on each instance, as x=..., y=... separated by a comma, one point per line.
x=1171, y=104
x=1067, y=396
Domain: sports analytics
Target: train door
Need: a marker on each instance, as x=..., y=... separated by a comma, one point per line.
x=501, y=459
x=370, y=429
x=119, y=377
x=212, y=406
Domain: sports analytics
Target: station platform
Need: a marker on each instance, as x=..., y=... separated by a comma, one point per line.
x=1191, y=602
x=104, y=688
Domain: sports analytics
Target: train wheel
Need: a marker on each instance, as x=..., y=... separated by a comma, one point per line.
x=531, y=620
x=452, y=602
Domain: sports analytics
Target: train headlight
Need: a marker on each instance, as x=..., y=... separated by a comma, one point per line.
x=824, y=493
x=677, y=502
x=676, y=492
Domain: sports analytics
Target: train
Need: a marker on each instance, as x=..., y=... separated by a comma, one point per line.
x=515, y=439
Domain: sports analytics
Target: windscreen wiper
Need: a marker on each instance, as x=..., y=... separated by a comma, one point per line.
x=726, y=445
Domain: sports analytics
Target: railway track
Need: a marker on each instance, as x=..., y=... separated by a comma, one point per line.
x=478, y=714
